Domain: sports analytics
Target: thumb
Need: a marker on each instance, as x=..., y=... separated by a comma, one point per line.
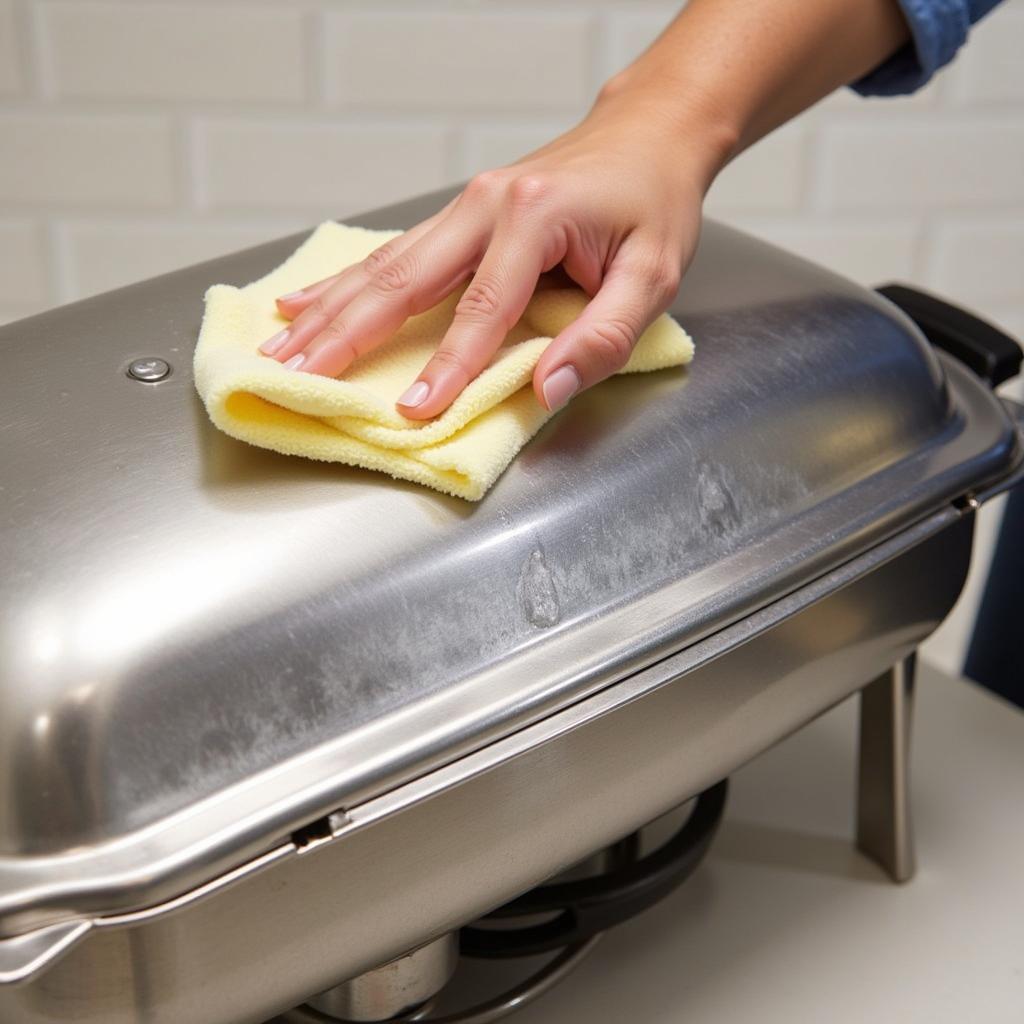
x=635, y=290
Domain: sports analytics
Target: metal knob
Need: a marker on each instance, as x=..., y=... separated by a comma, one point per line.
x=149, y=369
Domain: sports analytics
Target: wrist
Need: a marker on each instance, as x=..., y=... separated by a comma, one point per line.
x=677, y=114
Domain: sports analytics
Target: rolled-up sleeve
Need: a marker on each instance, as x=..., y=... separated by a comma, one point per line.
x=938, y=28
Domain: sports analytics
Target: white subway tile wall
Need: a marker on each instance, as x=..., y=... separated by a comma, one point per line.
x=478, y=60
x=325, y=167
x=56, y=161
x=984, y=258
x=10, y=59
x=932, y=161
x=96, y=252
x=171, y=51
x=990, y=69
x=206, y=123
x=22, y=264
x=141, y=135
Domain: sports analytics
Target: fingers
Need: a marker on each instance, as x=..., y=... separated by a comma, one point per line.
x=489, y=307
x=338, y=327
x=358, y=275
x=292, y=304
x=638, y=286
x=508, y=232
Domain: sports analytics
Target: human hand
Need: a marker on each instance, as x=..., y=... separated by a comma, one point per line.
x=616, y=202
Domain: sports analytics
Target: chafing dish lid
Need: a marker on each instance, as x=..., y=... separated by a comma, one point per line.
x=203, y=642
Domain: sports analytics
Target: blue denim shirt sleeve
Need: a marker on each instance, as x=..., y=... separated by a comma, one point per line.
x=938, y=28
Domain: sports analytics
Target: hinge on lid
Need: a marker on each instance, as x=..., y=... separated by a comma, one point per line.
x=967, y=502
x=321, y=831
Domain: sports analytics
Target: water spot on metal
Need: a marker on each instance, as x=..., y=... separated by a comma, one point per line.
x=716, y=505
x=536, y=592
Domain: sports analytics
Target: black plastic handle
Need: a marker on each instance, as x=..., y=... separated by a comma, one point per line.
x=991, y=354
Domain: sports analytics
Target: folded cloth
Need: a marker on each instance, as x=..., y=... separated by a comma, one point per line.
x=353, y=419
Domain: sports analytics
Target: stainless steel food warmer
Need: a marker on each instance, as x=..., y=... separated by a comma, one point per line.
x=268, y=724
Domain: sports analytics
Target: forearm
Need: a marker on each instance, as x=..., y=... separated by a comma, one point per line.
x=615, y=202
x=731, y=71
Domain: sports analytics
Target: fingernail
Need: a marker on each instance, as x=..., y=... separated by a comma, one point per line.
x=560, y=386
x=274, y=344
x=295, y=362
x=416, y=395
x=291, y=295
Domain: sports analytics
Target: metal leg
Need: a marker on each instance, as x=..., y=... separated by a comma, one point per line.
x=884, y=830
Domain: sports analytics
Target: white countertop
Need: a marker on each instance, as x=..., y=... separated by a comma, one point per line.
x=786, y=922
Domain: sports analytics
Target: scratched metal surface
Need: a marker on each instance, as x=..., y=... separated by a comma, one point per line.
x=189, y=623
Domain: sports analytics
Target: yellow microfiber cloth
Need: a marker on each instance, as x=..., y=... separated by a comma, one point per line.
x=354, y=420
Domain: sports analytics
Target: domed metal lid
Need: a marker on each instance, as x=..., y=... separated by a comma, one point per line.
x=203, y=643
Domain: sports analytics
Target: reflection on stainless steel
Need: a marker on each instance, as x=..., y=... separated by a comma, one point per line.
x=307, y=1015
x=422, y=858
x=395, y=989
x=23, y=955
x=884, y=829
x=526, y=992
x=213, y=658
